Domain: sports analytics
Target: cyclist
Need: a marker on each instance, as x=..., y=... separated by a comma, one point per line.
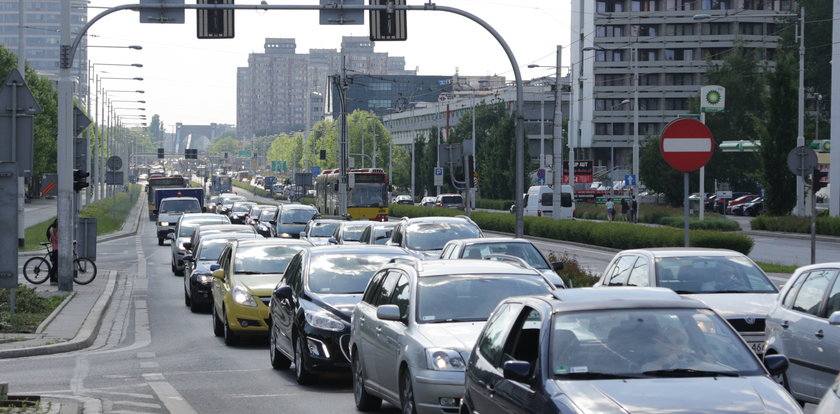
x=52, y=231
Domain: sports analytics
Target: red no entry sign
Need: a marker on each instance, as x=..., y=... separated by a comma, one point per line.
x=686, y=144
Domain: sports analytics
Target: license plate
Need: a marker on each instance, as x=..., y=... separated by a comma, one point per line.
x=757, y=347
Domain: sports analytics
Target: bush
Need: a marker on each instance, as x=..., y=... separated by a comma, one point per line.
x=111, y=212
x=491, y=204
x=829, y=226
x=719, y=224
x=30, y=309
x=573, y=274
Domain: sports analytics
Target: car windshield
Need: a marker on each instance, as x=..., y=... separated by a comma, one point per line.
x=212, y=249
x=461, y=298
x=231, y=200
x=187, y=229
x=432, y=236
x=353, y=232
x=242, y=208
x=297, y=215
x=263, y=259
x=381, y=235
x=268, y=214
x=525, y=251
x=711, y=274
x=214, y=200
x=322, y=229
x=647, y=343
x=368, y=194
x=344, y=273
x=180, y=206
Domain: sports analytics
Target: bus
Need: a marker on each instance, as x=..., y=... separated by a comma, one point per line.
x=162, y=182
x=367, y=193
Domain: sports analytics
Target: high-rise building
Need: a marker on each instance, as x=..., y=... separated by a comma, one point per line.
x=283, y=91
x=669, y=45
x=42, y=35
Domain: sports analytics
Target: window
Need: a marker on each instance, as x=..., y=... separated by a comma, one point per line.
x=523, y=343
x=649, y=80
x=676, y=104
x=787, y=302
x=832, y=303
x=683, y=29
x=621, y=271
x=810, y=295
x=639, y=274
x=490, y=342
x=401, y=296
x=294, y=273
x=383, y=297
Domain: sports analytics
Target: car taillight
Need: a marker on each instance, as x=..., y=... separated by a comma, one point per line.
x=380, y=217
x=539, y=213
x=440, y=205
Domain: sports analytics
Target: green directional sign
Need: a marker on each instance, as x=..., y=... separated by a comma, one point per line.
x=244, y=153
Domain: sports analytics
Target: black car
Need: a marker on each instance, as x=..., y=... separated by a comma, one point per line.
x=309, y=319
x=199, y=279
x=291, y=219
x=263, y=222
x=239, y=212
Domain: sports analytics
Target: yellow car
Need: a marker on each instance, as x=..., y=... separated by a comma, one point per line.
x=247, y=273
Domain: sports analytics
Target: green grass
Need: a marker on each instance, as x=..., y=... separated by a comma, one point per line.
x=30, y=309
x=111, y=212
x=34, y=235
x=572, y=274
x=775, y=267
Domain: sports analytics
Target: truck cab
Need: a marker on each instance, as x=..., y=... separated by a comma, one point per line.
x=170, y=210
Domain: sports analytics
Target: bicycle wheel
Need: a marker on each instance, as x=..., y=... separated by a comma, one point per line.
x=84, y=270
x=36, y=270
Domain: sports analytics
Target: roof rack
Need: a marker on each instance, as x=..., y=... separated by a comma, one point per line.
x=508, y=258
x=410, y=260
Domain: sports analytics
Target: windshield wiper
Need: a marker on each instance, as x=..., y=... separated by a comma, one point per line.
x=730, y=291
x=688, y=372
x=596, y=375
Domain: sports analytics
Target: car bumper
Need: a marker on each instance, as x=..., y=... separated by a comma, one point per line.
x=200, y=293
x=432, y=386
x=247, y=320
x=328, y=350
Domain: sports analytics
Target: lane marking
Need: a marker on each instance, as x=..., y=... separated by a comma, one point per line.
x=171, y=398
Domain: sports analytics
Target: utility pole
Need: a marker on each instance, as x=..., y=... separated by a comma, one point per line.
x=799, y=210
x=21, y=179
x=341, y=87
x=558, y=138
x=65, y=158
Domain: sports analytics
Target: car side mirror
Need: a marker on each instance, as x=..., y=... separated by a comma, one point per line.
x=188, y=258
x=519, y=371
x=154, y=211
x=188, y=245
x=303, y=235
x=332, y=240
x=834, y=318
x=388, y=313
x=214, y=267
x=170, y=236
x=283, y=292
x=219, y=274
x=203, y=209
x=557, y=266
x=776, y=364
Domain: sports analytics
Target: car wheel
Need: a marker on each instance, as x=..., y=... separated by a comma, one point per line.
x=278, y=360
x=302, y=375
x=407, y=394
x=230, y=335
x=194, y=307
x=160, y=241
x=364, y=401
x=218, y=329
x=177, y=272
x=187, y=300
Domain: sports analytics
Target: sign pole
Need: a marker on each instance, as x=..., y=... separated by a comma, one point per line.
x=685, y=210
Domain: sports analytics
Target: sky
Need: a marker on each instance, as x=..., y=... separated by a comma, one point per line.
x=193, y=81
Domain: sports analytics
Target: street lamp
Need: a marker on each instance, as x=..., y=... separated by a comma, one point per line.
x=557, y=131
x=135, y=47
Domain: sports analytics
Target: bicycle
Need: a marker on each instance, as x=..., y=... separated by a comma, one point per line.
x=37, y=269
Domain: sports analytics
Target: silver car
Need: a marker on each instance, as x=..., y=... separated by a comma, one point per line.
x=416, y=324
x=521, y=248
x=804, y=325
x=425, y=237
x=728, y=281
x=184, y=230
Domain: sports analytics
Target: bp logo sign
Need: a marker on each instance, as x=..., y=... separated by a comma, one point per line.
x=713, y=98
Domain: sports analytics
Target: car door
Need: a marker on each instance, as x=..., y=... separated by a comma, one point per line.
x=522, y=344
x=393, y=331
x=284, y=314
x=481, y=374
x=829, y=358
x=363, y=328
x=380, y=351
x=220, y=285
x=802, y=343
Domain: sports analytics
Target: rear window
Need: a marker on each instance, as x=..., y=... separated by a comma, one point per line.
x=264, y=259
x=297, y=216
x=546, y=199
x=452, y=199
x=180, y=206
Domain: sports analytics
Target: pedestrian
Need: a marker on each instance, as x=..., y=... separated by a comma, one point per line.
x=52, y=233
x=634, y=208
x=625, y=210
x=610, y=209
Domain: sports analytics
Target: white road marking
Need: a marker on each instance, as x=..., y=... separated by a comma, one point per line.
x=171, y=398
x=686, y=145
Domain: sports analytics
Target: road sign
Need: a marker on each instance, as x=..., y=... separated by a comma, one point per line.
x=438, y=176
x=724, y=194
x=114, y=178
x=80, y=121
x=114, y=163
x=215, y=23
x=387, y=25
x=245, y=154
x=686, y=144
x=629, y=179
x=159, y=14
x=712, y=98
x=801, y=161
x=339, y=15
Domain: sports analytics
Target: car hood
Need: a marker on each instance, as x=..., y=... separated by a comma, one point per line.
x=731, y=305
x=679, y=395
x=459, y=336
x=552, y=277
x=340, y=305
x=260, y=285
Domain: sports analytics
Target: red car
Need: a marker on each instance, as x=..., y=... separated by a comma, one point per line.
x=740, y=200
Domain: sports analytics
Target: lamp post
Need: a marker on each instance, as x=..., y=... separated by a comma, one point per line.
x=97, y=191
x=557, y=131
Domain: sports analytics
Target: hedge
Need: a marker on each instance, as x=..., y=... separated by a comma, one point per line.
x=616, y=235
x=491, y=204
x=829, y=226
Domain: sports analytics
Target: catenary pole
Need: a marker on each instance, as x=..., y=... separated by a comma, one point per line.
x=65, y=158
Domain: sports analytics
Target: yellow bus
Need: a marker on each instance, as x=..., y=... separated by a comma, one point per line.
x=367, y=194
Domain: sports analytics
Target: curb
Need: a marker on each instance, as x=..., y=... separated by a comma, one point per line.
x=797, y=236
x=55, y=312
x=84, y=337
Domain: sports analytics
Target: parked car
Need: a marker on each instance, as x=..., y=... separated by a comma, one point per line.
x=349, y=232
x=804, y=325
x=830, y=403
x=719, y=202
x=199, y=279
x=739, y=201
x=403, y=199
x=184, y=230
x=483, y=247
x=753, y=208
x=427, y=201
x=291, y=219
x=310, y=308
x=450, y=201
x=603, y=351
x=247, y=273
x=377, y=233
x=416, y=324
x=320, y=231
x=728, y=281
x=426, y=236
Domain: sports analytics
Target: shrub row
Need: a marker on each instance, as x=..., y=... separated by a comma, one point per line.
x=664, y=215
x=829, y=226
x=615, y=235
x=492, y=204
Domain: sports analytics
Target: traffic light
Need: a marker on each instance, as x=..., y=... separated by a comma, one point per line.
x=190, y=154
x=817, y=180
x=470, y=170
x=322, y=155
x=160, y=153
x=80, y=180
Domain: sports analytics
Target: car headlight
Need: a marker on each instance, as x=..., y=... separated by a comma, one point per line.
x=163, y=223
x=323, y=320
x=285, y=235
x=441, y=359
x=204, y=278
x=242, y=297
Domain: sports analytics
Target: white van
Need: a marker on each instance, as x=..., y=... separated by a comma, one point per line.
x=539, y=201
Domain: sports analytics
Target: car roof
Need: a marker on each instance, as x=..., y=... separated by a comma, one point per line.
x=228, y=236
x=246, y=228
x=201, y=216
x=437, y=219
x=683, y=251
x=328, y=221
x=350, y=249
x=272, y=242
x=306, y=206
x=491, y=240
x=580, y=299
x=438, y=267
x=355, y=224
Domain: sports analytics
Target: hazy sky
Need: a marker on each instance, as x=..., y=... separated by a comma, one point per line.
x=194, y=81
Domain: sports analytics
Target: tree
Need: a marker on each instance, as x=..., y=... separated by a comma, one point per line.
x=157, y=132
x=658, y=175
x=228, y=145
